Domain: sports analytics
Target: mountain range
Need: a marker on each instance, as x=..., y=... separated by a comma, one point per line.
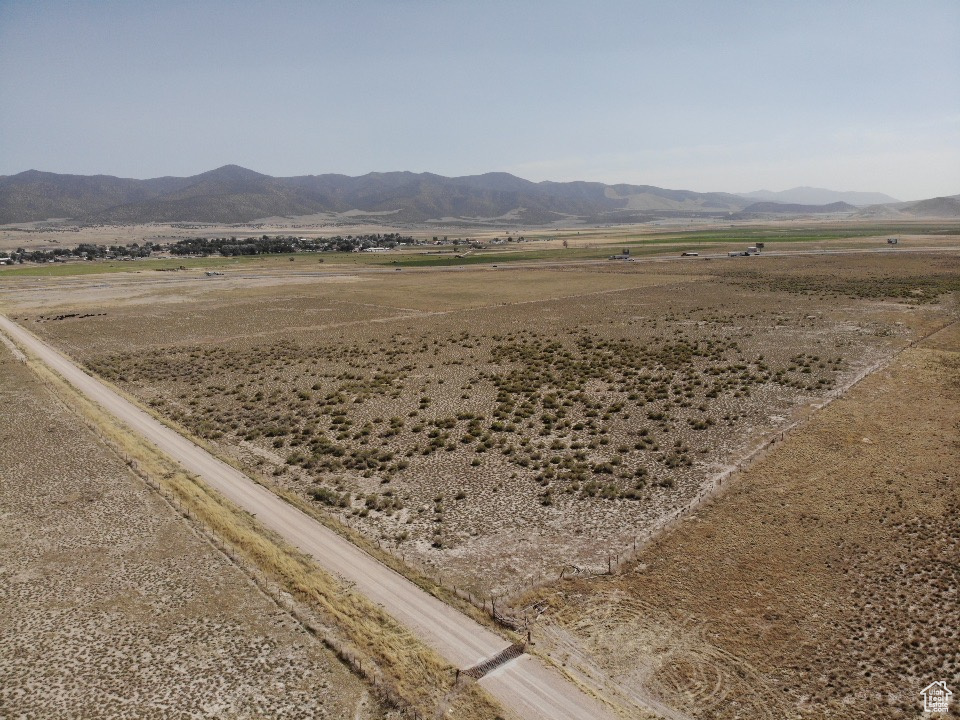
x=821, y=196
x=232, y=194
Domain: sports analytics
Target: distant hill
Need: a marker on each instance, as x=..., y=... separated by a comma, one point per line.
x=821, y=196
x=233, y=194
x=795, y=208
x=938, y=207
x=34, y=195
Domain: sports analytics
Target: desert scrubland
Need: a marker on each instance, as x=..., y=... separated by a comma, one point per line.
x=114, y=606
x=498, y=425
x=822, y=584
x=501, y=426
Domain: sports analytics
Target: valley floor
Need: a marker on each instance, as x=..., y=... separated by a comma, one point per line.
x=823, y=583
x=111, y=605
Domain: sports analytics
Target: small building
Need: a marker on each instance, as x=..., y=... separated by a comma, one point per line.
x=6, y=261
x=376, y=249
x=892, y=241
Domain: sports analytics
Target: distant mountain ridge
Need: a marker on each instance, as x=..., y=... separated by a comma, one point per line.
x=233, y=194
x=821, y=196
x=939, y=207
x=780, y=208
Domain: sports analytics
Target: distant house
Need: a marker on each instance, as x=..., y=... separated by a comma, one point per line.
x=6, y=261
x=936, y=697
x=891, y=241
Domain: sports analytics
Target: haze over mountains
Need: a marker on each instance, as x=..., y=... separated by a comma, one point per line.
x=821, y=196
x=232, y=194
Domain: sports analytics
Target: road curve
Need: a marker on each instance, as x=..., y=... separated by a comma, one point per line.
x=527, y=686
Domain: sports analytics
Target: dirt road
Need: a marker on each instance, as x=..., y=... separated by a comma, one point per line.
x=525, y=685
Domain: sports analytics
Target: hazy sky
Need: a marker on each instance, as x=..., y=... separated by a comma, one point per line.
x=731, y=96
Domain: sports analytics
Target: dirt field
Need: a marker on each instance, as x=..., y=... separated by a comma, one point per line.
x=496, y=426
x=823, y=583
x=123, y=610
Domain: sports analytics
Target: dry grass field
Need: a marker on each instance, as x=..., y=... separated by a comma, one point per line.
x=496, y=425
x=823, y=583
x=112, y=606
x=499, y=425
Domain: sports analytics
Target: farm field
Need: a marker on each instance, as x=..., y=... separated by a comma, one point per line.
x=822, y=583
x=124, y=610
x=540, y=245
x=495, y=427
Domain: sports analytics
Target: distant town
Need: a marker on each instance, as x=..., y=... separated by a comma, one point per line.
x=234, y=246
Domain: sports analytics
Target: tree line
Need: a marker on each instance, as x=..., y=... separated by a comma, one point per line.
x=225, y=246
x=267, y=245
x=83, y=251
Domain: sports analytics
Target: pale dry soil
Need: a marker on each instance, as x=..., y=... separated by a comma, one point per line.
x=112, y=606
x=822, y=584
x=496, y=427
